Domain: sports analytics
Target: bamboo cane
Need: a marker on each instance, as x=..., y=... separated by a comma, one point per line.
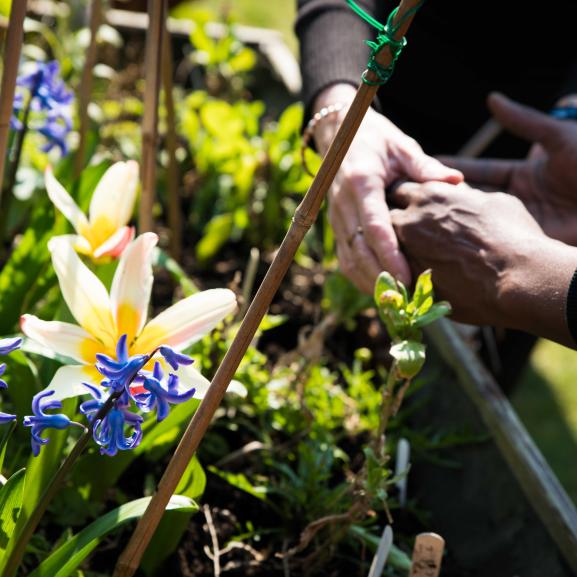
x=174, y=208
x=153, y=59
x=85, y=89
x=305, y=216
x=12, y=50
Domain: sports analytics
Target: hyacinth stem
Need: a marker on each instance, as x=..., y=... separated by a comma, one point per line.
x=153, y=59
x=85, y=89
x=12, y=50
x=13, y=166
x=17, y=553
x=303, y=219
x=174, y=208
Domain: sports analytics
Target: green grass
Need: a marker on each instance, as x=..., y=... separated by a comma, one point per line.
x=546, y=401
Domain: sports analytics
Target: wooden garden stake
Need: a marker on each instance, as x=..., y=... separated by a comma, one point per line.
x=12, y=50
x=152, y=61
x=427, y=555
x=174, y=208
x=305, y=215
x=383, y=550
x=85, y=90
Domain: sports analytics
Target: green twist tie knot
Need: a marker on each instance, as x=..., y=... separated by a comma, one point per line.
x=385, y=37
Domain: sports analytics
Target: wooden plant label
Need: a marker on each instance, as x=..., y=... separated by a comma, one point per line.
x=427, y=555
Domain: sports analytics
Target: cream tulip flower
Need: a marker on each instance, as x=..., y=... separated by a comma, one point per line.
x=104, y=233
x=103, y=318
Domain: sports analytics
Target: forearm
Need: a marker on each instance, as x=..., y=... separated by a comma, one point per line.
x=534, y=294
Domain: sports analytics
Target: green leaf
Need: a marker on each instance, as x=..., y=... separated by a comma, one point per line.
x=11, y=495
x=69, y=556
x=6, y=432
x=216, y=233
x=240, y=481
x=163, y=260
x=410, y=357
x=28, y=267
x=173, y=526
x=423, y=295
x=437, y=311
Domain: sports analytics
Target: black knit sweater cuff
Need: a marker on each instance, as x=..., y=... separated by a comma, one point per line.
x=571, y=307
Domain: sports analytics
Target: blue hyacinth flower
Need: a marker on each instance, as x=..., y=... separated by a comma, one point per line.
x=8, y=346
x=160, y=395
x=120, y=372
x=50, y=103
x=173, y=358
x=109, y=432
x=42, y=420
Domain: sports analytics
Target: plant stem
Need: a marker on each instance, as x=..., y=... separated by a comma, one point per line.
x=16, y=156
x=12, y=49
x=303, y=219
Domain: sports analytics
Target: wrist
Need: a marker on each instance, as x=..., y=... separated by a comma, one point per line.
x=534, y=291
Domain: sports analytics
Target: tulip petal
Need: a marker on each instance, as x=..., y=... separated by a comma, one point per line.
x=132, y=285
x=67, y=382
x=114, y=196
x=115, y=245
x=84, y=293
x=187, y=321
x=64, y=339
x=190, y=378
x=64, y=202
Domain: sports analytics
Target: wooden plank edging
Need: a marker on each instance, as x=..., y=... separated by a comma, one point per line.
x=535, y=477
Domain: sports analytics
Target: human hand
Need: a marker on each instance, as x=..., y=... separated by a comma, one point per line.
x=490, y=258
x=546, y=181
x=380, y=153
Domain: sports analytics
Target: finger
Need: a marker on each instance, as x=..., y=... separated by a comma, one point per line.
x=421, y=167
x=358, y=264
x=418, y=194
x=486, y=171
x=523, y=121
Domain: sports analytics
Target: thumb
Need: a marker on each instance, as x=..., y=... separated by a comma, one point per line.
x=421, y=168
x=523, y=121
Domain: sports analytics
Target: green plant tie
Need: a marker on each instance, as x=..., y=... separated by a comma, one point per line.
x=385, y=37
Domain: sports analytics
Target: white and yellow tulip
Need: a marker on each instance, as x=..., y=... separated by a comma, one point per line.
x=103, y=318
x=104, y=233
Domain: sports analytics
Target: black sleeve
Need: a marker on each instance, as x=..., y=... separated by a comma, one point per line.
x=332, y=44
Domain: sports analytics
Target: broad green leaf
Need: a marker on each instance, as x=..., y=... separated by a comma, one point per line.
x=290, y=122
x=410, y=357
x=27, y=268
x=385, y=282
x=69, y=556
x=6, y=432
x=11, y=495
x=242, y=61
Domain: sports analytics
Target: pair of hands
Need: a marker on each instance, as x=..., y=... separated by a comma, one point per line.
x=484, y=249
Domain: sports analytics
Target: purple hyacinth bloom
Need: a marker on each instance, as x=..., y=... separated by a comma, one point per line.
x=120, y=372
x=109, y=432
x=50, y=103
x=173, y=358
x=159, y=395
x=42, y=420
x=8, y=346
